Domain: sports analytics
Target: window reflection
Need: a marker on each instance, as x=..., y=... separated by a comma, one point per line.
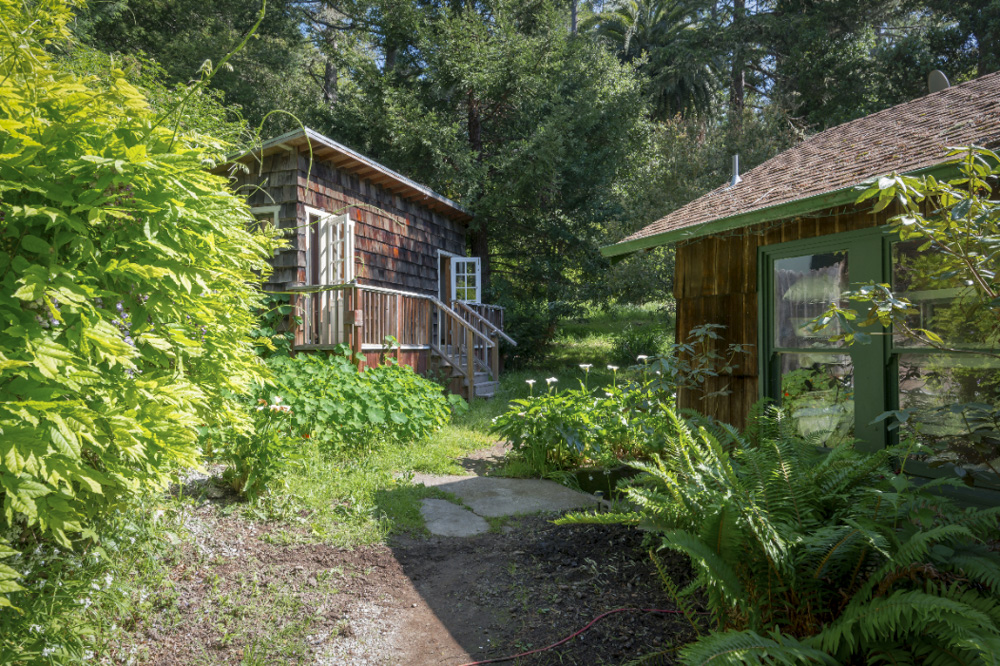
x=817, y=391
x=804, y=287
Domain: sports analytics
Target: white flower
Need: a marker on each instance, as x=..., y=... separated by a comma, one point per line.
x=551, y=380
x=277, y=399
x=609, y=394
x=529, y=382
x=613, y=368
x=260, y=408
x=641, y=357
x=586, y=366
x=108, y=579
x=658, y=372
x=35, y=628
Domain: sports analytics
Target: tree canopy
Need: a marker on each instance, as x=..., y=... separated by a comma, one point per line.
x=561, y=124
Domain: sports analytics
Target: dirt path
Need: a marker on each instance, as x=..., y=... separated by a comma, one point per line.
x=239, y=597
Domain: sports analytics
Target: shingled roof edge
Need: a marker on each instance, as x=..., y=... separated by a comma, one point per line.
x=838, y=197
x=907, y=138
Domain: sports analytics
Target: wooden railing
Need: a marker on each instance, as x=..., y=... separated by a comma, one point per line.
x=472, y=313
x=491, y=313
x=465, y=336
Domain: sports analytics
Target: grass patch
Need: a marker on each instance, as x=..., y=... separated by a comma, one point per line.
x=362, y=497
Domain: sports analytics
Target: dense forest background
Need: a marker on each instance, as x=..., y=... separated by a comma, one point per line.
x=562, y=124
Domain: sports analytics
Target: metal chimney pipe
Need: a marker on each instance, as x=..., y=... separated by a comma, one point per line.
x=736, y=171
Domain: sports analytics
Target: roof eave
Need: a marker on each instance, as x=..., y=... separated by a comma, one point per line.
x=838, y=197
x=313, y=137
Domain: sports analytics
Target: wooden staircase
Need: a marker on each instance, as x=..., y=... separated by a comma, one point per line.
x=463, y=339
x=467, y=346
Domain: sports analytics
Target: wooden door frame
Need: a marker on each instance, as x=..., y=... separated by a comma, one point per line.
x=444, y=261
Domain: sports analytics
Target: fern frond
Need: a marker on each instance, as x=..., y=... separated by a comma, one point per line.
x=679, y=599
x=982, y=568
x=719, y=573
x=885, y=620
x=749, y=647
x=578, y=518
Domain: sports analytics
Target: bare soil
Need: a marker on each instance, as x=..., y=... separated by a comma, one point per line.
x=242, y=594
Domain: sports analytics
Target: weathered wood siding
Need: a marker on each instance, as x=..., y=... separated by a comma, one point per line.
x=396, y=245
x=715, y=282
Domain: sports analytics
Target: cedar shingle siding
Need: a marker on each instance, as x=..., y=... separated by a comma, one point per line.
x=396, y=245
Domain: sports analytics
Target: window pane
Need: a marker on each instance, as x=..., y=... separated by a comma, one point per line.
x=817, y=391
x=946, y=304
x=804, y=287
x=930, y=385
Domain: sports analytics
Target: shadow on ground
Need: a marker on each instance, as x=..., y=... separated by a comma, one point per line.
x=528, y=583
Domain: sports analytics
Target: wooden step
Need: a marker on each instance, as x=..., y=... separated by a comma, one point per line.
x=486, y=389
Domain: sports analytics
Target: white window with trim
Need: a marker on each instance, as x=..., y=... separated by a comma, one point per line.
x=267, y=216
x=330, y=261
x=465, y=279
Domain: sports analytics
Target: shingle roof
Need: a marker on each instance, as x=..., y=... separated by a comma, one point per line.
x=904, y=138
x=325, y=148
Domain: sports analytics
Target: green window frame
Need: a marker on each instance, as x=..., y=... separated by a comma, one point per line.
x=866, y=250
x=876, y=384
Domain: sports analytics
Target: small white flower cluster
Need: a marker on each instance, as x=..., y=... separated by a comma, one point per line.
x=274, y=406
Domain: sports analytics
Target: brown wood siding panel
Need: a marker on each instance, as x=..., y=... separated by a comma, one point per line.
x=418, y=359
x=715, y=282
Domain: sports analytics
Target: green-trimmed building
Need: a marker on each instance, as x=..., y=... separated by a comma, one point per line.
x=766, y=255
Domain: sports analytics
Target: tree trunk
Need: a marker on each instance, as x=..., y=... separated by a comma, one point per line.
x=480, y=234
x=572, y=16
x=737, y=85
x=330, y=76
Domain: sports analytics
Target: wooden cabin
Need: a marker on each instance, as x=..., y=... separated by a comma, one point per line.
x=375, y=261
x=767, y=254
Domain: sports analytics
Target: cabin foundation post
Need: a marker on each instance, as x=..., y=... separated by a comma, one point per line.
x=495, y=357
x=470, y=355
x=399, y=327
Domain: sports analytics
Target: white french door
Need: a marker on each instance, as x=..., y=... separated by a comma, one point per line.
x=465, y=279
x=330, y=261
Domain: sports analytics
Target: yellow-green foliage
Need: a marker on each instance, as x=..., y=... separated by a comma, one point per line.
x=126, y=288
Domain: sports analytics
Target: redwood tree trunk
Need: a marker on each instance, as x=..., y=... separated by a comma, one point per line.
x=737, y=85
x=480, y=234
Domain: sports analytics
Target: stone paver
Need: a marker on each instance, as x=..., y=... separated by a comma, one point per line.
x=446, y=519
x=494, y=497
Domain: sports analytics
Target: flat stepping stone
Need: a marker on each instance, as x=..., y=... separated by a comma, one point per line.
x=494, y=497
x=446, y=519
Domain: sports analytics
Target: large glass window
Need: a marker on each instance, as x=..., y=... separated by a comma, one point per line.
x=816, y=382
x=836, y=393
x=948, y=388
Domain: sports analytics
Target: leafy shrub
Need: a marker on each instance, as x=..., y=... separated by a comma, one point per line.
x=687, y=365
x=126, y=288
x=635, y=341
x=258, y=453
x=805, y=555
x=334, y=404
x=579, y=427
